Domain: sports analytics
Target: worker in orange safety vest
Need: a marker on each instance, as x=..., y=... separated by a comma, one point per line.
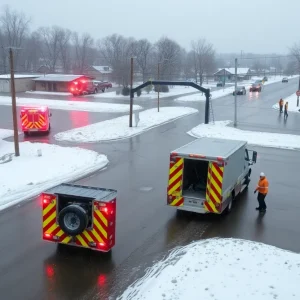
x=281, y=105
x=262, y=189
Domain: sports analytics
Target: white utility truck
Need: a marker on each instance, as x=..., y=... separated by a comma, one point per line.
x=206, y=175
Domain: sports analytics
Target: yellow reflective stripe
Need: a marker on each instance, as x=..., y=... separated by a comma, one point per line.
x=174, y=188
x=81, y=240
x=52, y=228
x=45, y=223
x=217, y=187
x=95, y=233
x=216, y=173
x=178, y=174
x=66, y=240
x=177, y=164
x=48, y=208
x=98, y=225
x=103, y=219
x=88, y=236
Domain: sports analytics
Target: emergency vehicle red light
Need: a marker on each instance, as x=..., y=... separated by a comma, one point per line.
x=48, y=236
x=174, y=154
x=220, y=158
x=197, y=155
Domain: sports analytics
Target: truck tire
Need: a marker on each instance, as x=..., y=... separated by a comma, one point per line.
x=229, y=206
x=73, y=219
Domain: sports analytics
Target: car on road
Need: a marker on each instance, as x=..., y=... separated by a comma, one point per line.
x=285, y=79
x=220, y=84
x=255, y=87
x=241, y=90
x=265, y=78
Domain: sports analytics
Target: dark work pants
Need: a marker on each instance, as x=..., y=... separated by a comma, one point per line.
x=281, y=108
x=286, y=114
x=261, y=201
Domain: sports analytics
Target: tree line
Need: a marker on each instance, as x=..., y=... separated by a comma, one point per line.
x=61, y=50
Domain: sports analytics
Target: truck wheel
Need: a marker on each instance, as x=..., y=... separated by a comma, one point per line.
x=229, y=206
x=73, y=219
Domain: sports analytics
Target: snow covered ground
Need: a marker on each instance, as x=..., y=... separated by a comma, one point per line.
x=265, y=139
x=118, y=128
x=71, y=105
x=221, y=269
x=173, y=91
x=48, y=93
x=29, y=174
x=292, y=100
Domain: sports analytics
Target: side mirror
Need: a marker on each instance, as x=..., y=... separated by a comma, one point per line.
x=254, y=156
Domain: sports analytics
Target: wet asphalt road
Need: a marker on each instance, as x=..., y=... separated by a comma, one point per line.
x=146, y=227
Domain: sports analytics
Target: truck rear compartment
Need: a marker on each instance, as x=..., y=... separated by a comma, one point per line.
x=195, y=174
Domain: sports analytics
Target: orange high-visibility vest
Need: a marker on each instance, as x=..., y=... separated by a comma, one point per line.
x=263, y=186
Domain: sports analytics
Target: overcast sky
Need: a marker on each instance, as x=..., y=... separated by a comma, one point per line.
x=259, y=26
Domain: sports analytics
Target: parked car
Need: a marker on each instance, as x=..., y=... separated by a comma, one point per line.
x=220, y=84
x=241, y=90
x=255, y=87
x=285, y=79
x=102, y=85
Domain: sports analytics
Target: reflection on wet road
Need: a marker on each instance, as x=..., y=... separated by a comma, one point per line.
x=146, y=227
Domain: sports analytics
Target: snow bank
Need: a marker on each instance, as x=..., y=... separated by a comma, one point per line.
x=221, y=269
x=28, y=175
x=5, y=133
x=292, y=100
x=49, y=93
x=265, y=139
x=71, y=105
x=173, y=91
x=118, y=128
x=200, y=97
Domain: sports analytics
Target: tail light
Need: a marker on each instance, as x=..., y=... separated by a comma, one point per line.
x=48, y=236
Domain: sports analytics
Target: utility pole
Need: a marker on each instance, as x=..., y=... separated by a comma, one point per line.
x=14, y=103
x=131, y=93
x=158, y=87
x=298, y=87
x=235, y=95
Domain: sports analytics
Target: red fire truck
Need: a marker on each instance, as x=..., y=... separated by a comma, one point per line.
x=35, y=119
x=80, y=216
x=83, y=87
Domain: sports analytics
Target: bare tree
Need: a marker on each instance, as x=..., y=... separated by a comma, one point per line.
x=83, y=49
x=295, y=52
x=32, y=52
x=116, y=51
x=142, y=50
x=204, y=57
x=15, y=26
x=64, y=36
x=50, y=37
x=169, y=57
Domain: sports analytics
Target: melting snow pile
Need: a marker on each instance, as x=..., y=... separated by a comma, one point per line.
x=29, y=174
x=118, y=128
x=265, y=139
x=221, y=269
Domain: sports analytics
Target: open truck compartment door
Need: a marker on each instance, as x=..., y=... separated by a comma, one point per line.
x=205, y=174
x=80, y=216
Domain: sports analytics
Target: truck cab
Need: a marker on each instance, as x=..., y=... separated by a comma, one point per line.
x=206, y=175
x=35, y=119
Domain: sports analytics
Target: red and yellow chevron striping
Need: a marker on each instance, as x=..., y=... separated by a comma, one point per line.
x=175, y=181
x=214, y=188
x=101, y=233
